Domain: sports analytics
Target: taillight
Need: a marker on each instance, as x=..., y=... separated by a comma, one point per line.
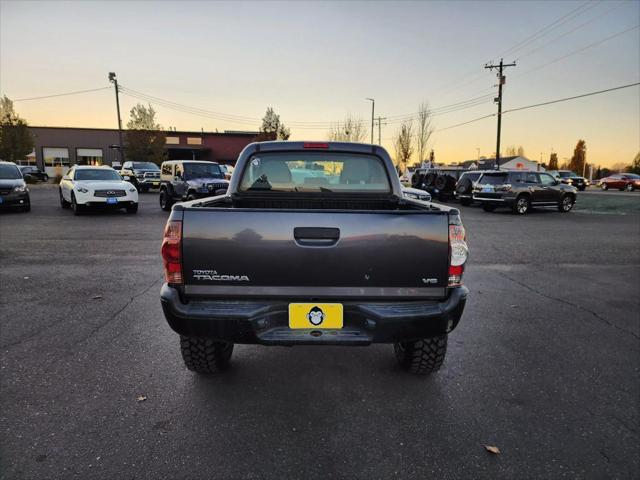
x=172, y=252
x=315, y=145
x=458, y=254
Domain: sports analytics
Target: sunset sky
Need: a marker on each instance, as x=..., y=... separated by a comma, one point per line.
x=316, y=62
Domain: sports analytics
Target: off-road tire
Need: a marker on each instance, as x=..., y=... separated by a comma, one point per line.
x=464, y=186
x=488, y=207
x=191, y=196
x=429, y=179
x=422, y=357
x=441, y=182
x=165, y=200
x=204, y=355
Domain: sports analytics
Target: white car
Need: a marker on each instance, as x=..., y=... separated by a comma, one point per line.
x=86, y=186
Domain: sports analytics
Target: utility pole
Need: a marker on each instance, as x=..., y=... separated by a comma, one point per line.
x=373, y=110
x=501, y=80
x=380, y=129
x=114, y=80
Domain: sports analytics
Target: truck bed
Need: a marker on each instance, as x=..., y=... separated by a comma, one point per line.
x=307, y=246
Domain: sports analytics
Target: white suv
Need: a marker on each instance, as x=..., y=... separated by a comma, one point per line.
x=85, y=186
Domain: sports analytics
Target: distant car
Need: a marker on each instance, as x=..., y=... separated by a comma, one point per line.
x=14, y=192
x=570, y=178
x=521, y=191
x=621, y=181
x=85, y=186
x=143, y=175
x=183, y=180
x=227, y=170
x=464, y=186
x=34, y=172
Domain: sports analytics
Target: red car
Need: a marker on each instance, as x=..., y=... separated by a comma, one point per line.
x=622, y=181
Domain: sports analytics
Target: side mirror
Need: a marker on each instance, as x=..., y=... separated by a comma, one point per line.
x=126, y=178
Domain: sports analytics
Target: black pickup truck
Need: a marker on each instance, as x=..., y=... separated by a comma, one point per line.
x=313, y=244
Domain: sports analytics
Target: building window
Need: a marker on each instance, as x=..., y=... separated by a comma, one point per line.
x=173, y=140
x=55, y=157
x=89, y=156
x=194, y=141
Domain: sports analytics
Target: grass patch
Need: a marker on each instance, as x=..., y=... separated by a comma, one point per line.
x=608, y=204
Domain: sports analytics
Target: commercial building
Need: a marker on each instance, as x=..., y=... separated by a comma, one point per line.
x=56, y=149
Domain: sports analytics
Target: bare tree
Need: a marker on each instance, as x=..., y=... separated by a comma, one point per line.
x=351, y=129
x=424, y=131
x=403, y=145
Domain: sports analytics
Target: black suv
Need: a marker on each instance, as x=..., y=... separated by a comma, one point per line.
x=143, y=175
x=521, y=191
x=34, y=172
x=440, y=183
x=182, y=180
x=570, y=178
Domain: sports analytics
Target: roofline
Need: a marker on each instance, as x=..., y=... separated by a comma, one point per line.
x=115, y=130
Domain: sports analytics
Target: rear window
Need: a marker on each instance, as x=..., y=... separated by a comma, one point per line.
x=315, y=172
x=494, y=178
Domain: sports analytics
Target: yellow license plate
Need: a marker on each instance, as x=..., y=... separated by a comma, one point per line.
x=315, y=315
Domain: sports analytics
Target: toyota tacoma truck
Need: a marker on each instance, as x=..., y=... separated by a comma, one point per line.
x=313, y=244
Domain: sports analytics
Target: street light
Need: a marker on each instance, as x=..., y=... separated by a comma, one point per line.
x=373, y=111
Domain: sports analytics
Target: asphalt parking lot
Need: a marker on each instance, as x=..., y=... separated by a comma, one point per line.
x=544, y=365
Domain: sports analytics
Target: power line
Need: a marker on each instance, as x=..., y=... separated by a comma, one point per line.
x=61, y=94
x=591, y=45
x=317, y=125
x=521, y=44
x=566, y=99
x=546, y=30
x=572, y=98
x=603, y=14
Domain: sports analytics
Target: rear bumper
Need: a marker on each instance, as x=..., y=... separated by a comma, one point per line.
x=266, y=322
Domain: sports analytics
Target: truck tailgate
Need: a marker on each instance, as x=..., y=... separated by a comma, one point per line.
x=314, y=254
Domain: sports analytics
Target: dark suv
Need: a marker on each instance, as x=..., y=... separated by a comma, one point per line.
x=464, y=186
x=570, y=178
x=521, y=191
x=182, y=180
x=440, y=183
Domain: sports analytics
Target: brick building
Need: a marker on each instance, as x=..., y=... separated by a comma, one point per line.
x=57, y=148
